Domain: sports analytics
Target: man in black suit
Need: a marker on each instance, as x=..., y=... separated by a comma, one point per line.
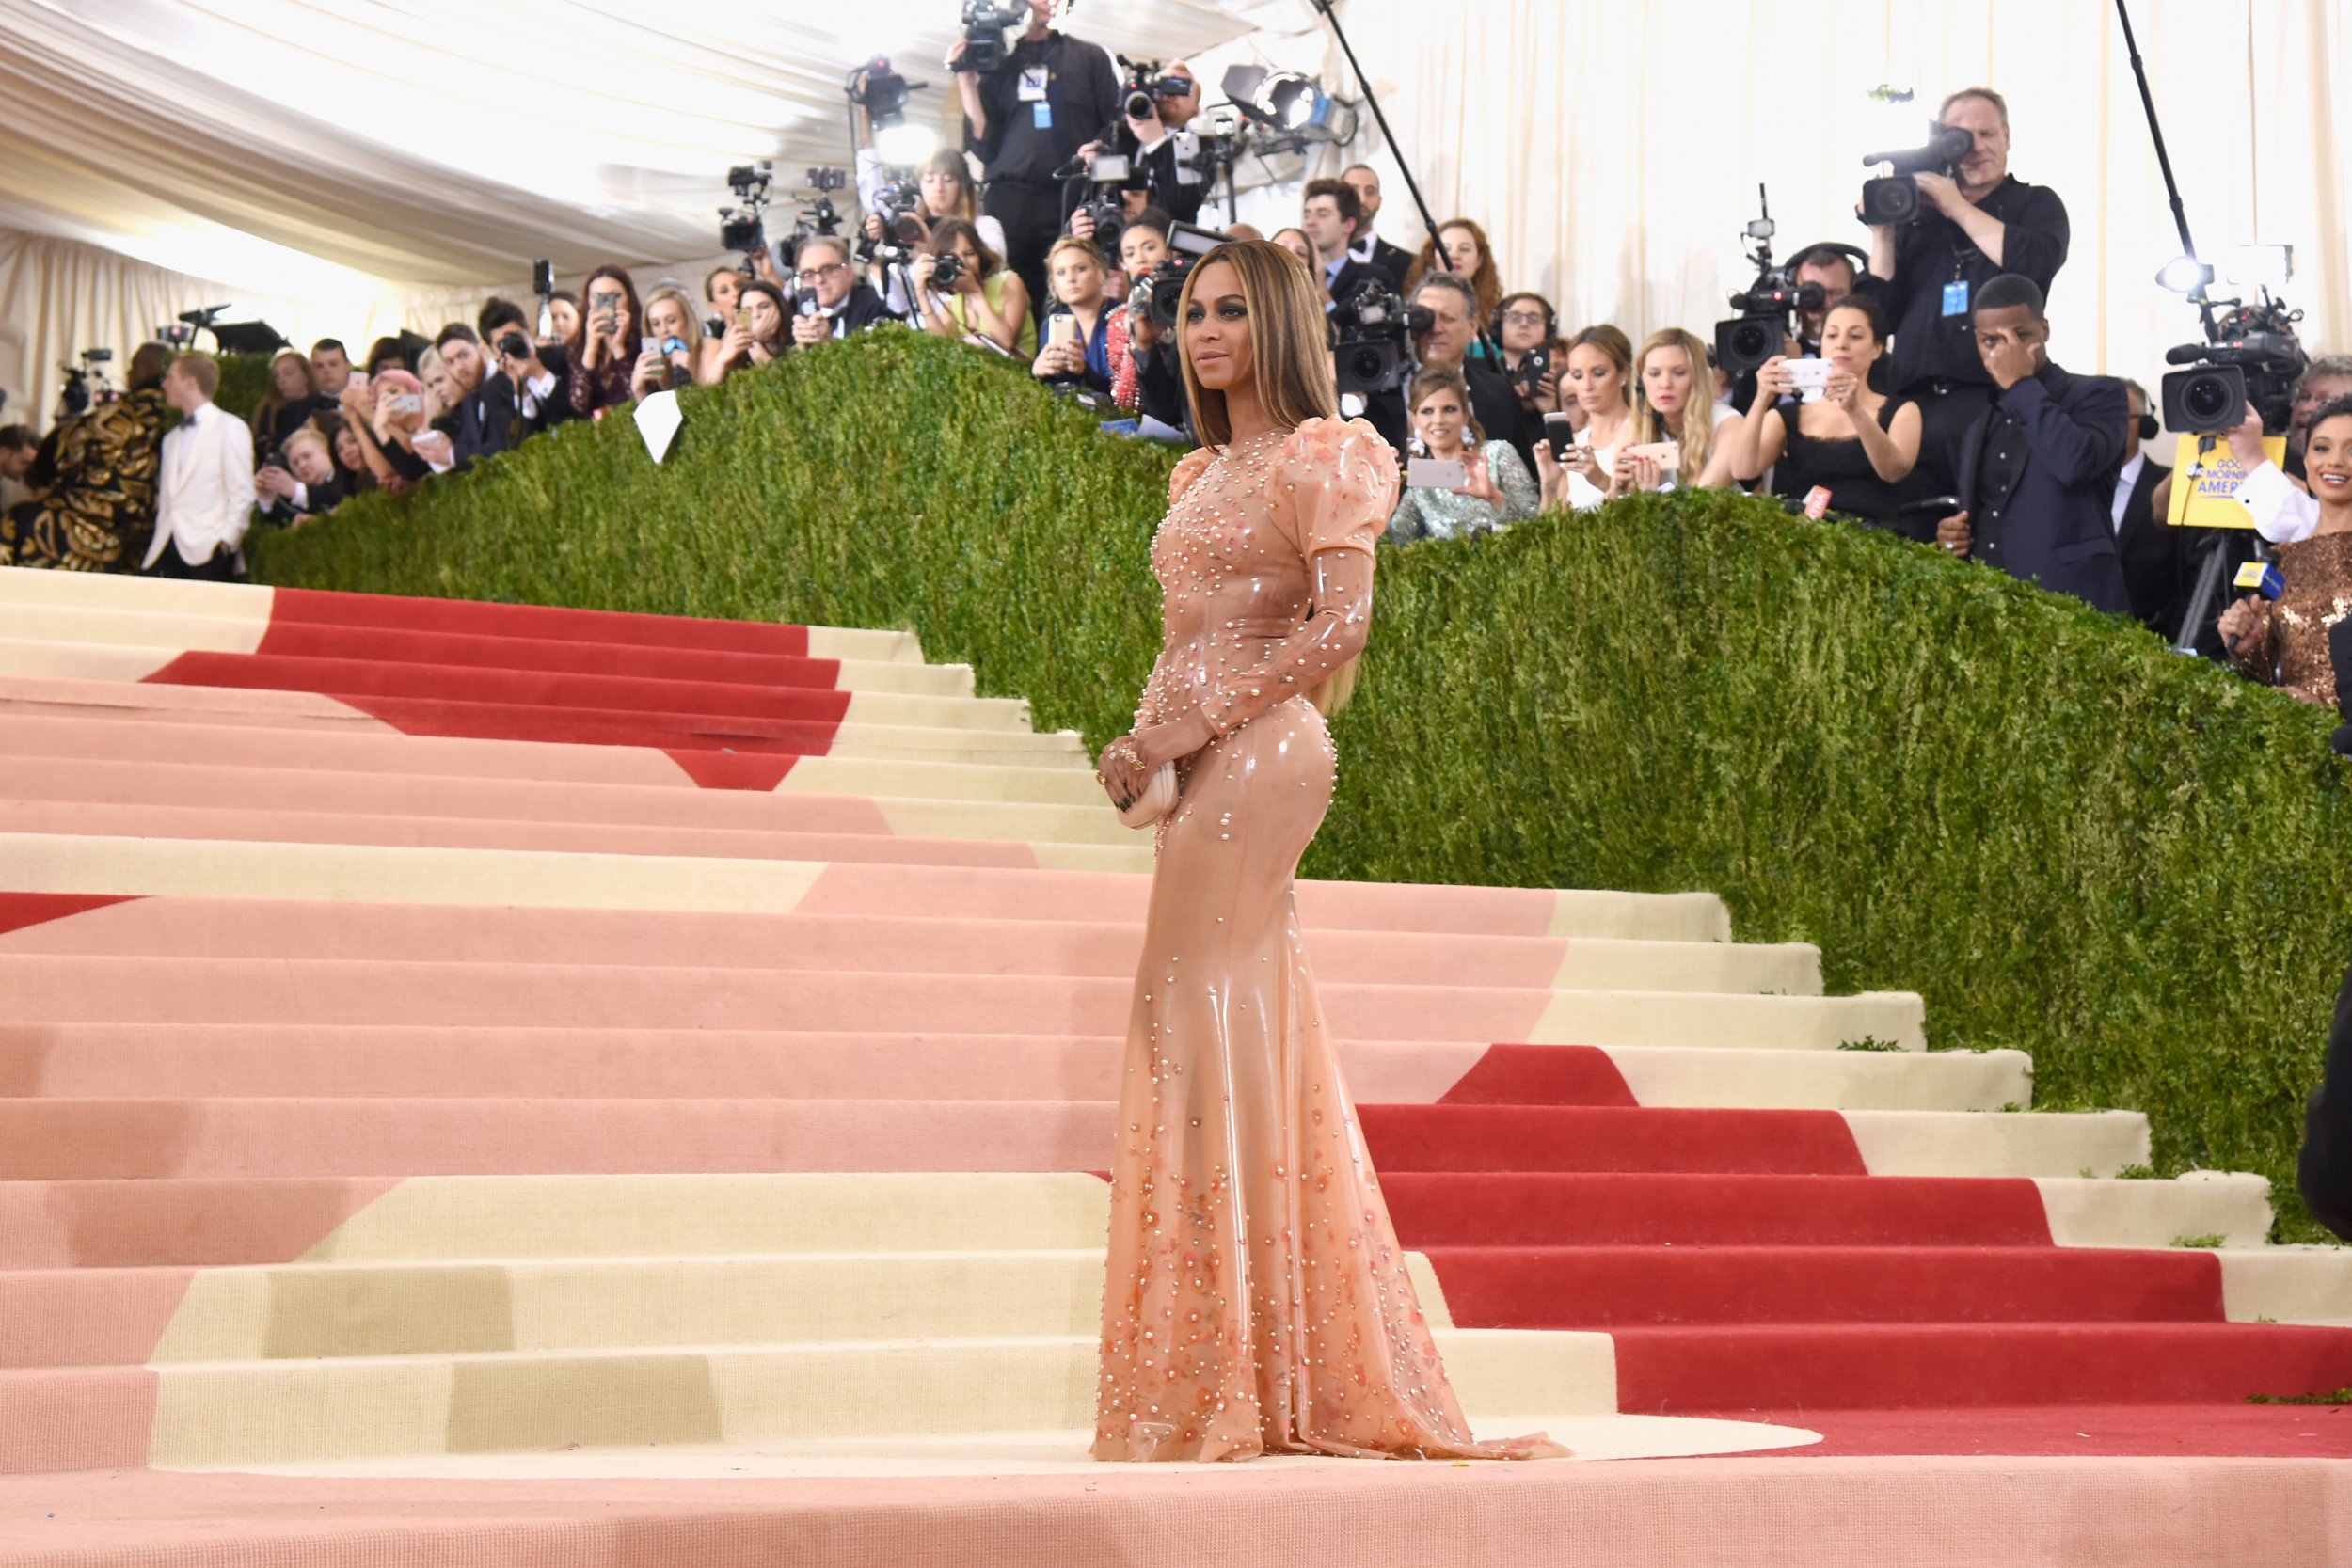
x=2036, y=470
x=480, y=425
x=535, y=382
x=1392, y=261
x=2155, y=567
x=1331, y=217
x=831, y=302
x=1453, y=306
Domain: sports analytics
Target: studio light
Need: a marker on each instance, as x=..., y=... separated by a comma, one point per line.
x=1289, y=104
x=884, y=93
x=2185, y=275
x=906, y=143
x=2263, y=266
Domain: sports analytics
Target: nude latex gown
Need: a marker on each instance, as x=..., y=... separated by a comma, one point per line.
x=1256, y=1299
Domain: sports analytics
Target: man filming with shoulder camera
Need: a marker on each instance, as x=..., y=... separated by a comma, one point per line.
x=1025, y=117
x=1164, y=156
x=1969, y=227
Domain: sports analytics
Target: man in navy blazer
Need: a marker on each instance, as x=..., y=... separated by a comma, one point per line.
x=2037, y=471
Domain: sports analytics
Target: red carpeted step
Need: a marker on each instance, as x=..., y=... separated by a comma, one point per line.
x=365, y=678
x=1581, y=1138
x=454, y=719
x=1542, y=1075
x=21, y=910
x=480, y=618
x=1435, y=1209
x=388, y=646
x=1887, y=1366
x=1607, y=1288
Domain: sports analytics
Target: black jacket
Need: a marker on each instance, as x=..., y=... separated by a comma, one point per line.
x=1929, y=341
x=2057, y=528
x=861, y=310
x=1082, y=98
x=1392, y=260
x=2157, y=577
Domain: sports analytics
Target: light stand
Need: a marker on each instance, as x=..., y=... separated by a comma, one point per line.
x=1437, y=244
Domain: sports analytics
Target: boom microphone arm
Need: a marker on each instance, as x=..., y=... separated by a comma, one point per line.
x=2164, y=164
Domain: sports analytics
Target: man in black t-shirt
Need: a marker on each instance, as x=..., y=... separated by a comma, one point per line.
x=1027, y=118
x=1971, y=229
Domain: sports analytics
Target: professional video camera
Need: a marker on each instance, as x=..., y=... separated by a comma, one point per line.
x=818, y=213
x=1159, y=291
x=1373, y=337
x=1147, y=88
x=2254, y=357
x=984, y=25
x=85, y=383
x=1767, y=307
x=1106, y=201
x=742, y=227
x=898, y=203
x=1895, y=197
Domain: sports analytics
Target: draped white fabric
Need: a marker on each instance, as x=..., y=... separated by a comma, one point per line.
x=348, y=165
x=1613, y=152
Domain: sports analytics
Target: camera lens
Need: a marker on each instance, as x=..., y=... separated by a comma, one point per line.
x=1753, y=341
x=2207, y=398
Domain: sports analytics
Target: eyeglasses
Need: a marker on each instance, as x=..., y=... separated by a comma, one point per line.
x=810, y=275
x=1524, y=318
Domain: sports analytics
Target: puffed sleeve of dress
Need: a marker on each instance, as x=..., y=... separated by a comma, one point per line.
x=1330, y=492
x=1188, y=468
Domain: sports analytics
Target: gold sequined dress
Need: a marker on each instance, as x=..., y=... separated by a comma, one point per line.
x=2292, y=649
x=1256, y=1299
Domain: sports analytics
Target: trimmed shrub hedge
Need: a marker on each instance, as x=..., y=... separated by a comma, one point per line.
x=2071, y=840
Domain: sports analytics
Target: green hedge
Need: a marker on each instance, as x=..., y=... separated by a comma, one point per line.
x=2068, y=839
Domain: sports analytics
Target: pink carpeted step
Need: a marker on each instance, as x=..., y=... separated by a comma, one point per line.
x=265, y=929
x=1631, y=1287
x=92, y=1139
x=202, y=1221
x=195, y=991
x=85, y=1316
x=468, y=650
x=278, y=826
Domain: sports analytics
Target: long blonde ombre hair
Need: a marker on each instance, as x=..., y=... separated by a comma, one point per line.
x=1698, y=419
x=1291, y=361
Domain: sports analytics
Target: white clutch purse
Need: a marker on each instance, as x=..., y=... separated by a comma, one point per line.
x=1157, y=800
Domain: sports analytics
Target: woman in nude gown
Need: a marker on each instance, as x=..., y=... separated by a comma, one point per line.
x=1256, y=1300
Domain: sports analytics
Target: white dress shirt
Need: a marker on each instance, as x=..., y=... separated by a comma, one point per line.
x=205, y=499
x=2282, y=513
x=2125, y=479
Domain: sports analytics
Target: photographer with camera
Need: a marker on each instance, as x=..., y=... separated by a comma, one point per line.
x=98, y=511
x=1527, y=329
x=829, y=298
x=1167, y=169
x=1025, y=116
x=1964, y=229
x=1835, y=273
x=1446, y=344
x=965, y=289
x=531, y=378
x=1859, y=444
x=481, y=423
x=2036, y=470
x=608, y=346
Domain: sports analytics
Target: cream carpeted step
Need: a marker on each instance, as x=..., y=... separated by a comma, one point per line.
x=1841, y=1079
x=215, y=1413
x=172, y=633
x=1595, y=1017
x=2287, y=1284
x=1996, y=1143
x=2151, y=1214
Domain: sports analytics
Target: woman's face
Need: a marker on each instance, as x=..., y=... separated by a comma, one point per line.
x=566, y=316
x=2327, y=460
x=436, y=382
x=1595, y=380
x=347, y=450
x=971, y=254
x=1440, y=419
x=1077, y=278
x=1140, y=249
x=1295, y=241
x=942, y=192
x=1217, y=329
x=291, y=377
x=767, y=320
x=1522, y=325
x=1461, y=247
x=1666, y=379
x=1846, y=342
x=665, y=319
x=726, y=291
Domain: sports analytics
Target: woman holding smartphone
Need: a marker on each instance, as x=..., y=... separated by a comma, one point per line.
x=758, y=334
x=1256, y=1299
x=1858, y=444
x=1496, y=488
x=1599, y=378
x=609, y=346
x=1084, y=335
x=671, y=355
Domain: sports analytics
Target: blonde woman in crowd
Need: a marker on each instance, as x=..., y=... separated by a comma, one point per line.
x=670, y=320
x=1674, y=403
x=1597, y=377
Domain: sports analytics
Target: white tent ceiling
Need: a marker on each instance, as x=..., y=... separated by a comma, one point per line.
x=431, y=143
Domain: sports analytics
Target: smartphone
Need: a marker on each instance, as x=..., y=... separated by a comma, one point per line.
x=543, y=278
x=405, y=402
x=1559, y=434
x=1437, y=473
x=649, y=345
x=743, y=320
x=1668, y=452
x=359, y=381
x=1062, y=328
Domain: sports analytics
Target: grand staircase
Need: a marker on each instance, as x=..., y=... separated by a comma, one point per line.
x=438, y=1033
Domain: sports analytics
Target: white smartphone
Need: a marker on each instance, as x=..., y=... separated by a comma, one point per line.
x=405, y=402
x=1807, y=377
x=1437, y=473
x=1667, y=452
x=1062, y=328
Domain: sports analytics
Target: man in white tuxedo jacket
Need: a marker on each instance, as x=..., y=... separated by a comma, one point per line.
x=204, y=495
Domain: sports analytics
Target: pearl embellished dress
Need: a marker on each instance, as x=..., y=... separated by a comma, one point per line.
x=1256, y=1299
